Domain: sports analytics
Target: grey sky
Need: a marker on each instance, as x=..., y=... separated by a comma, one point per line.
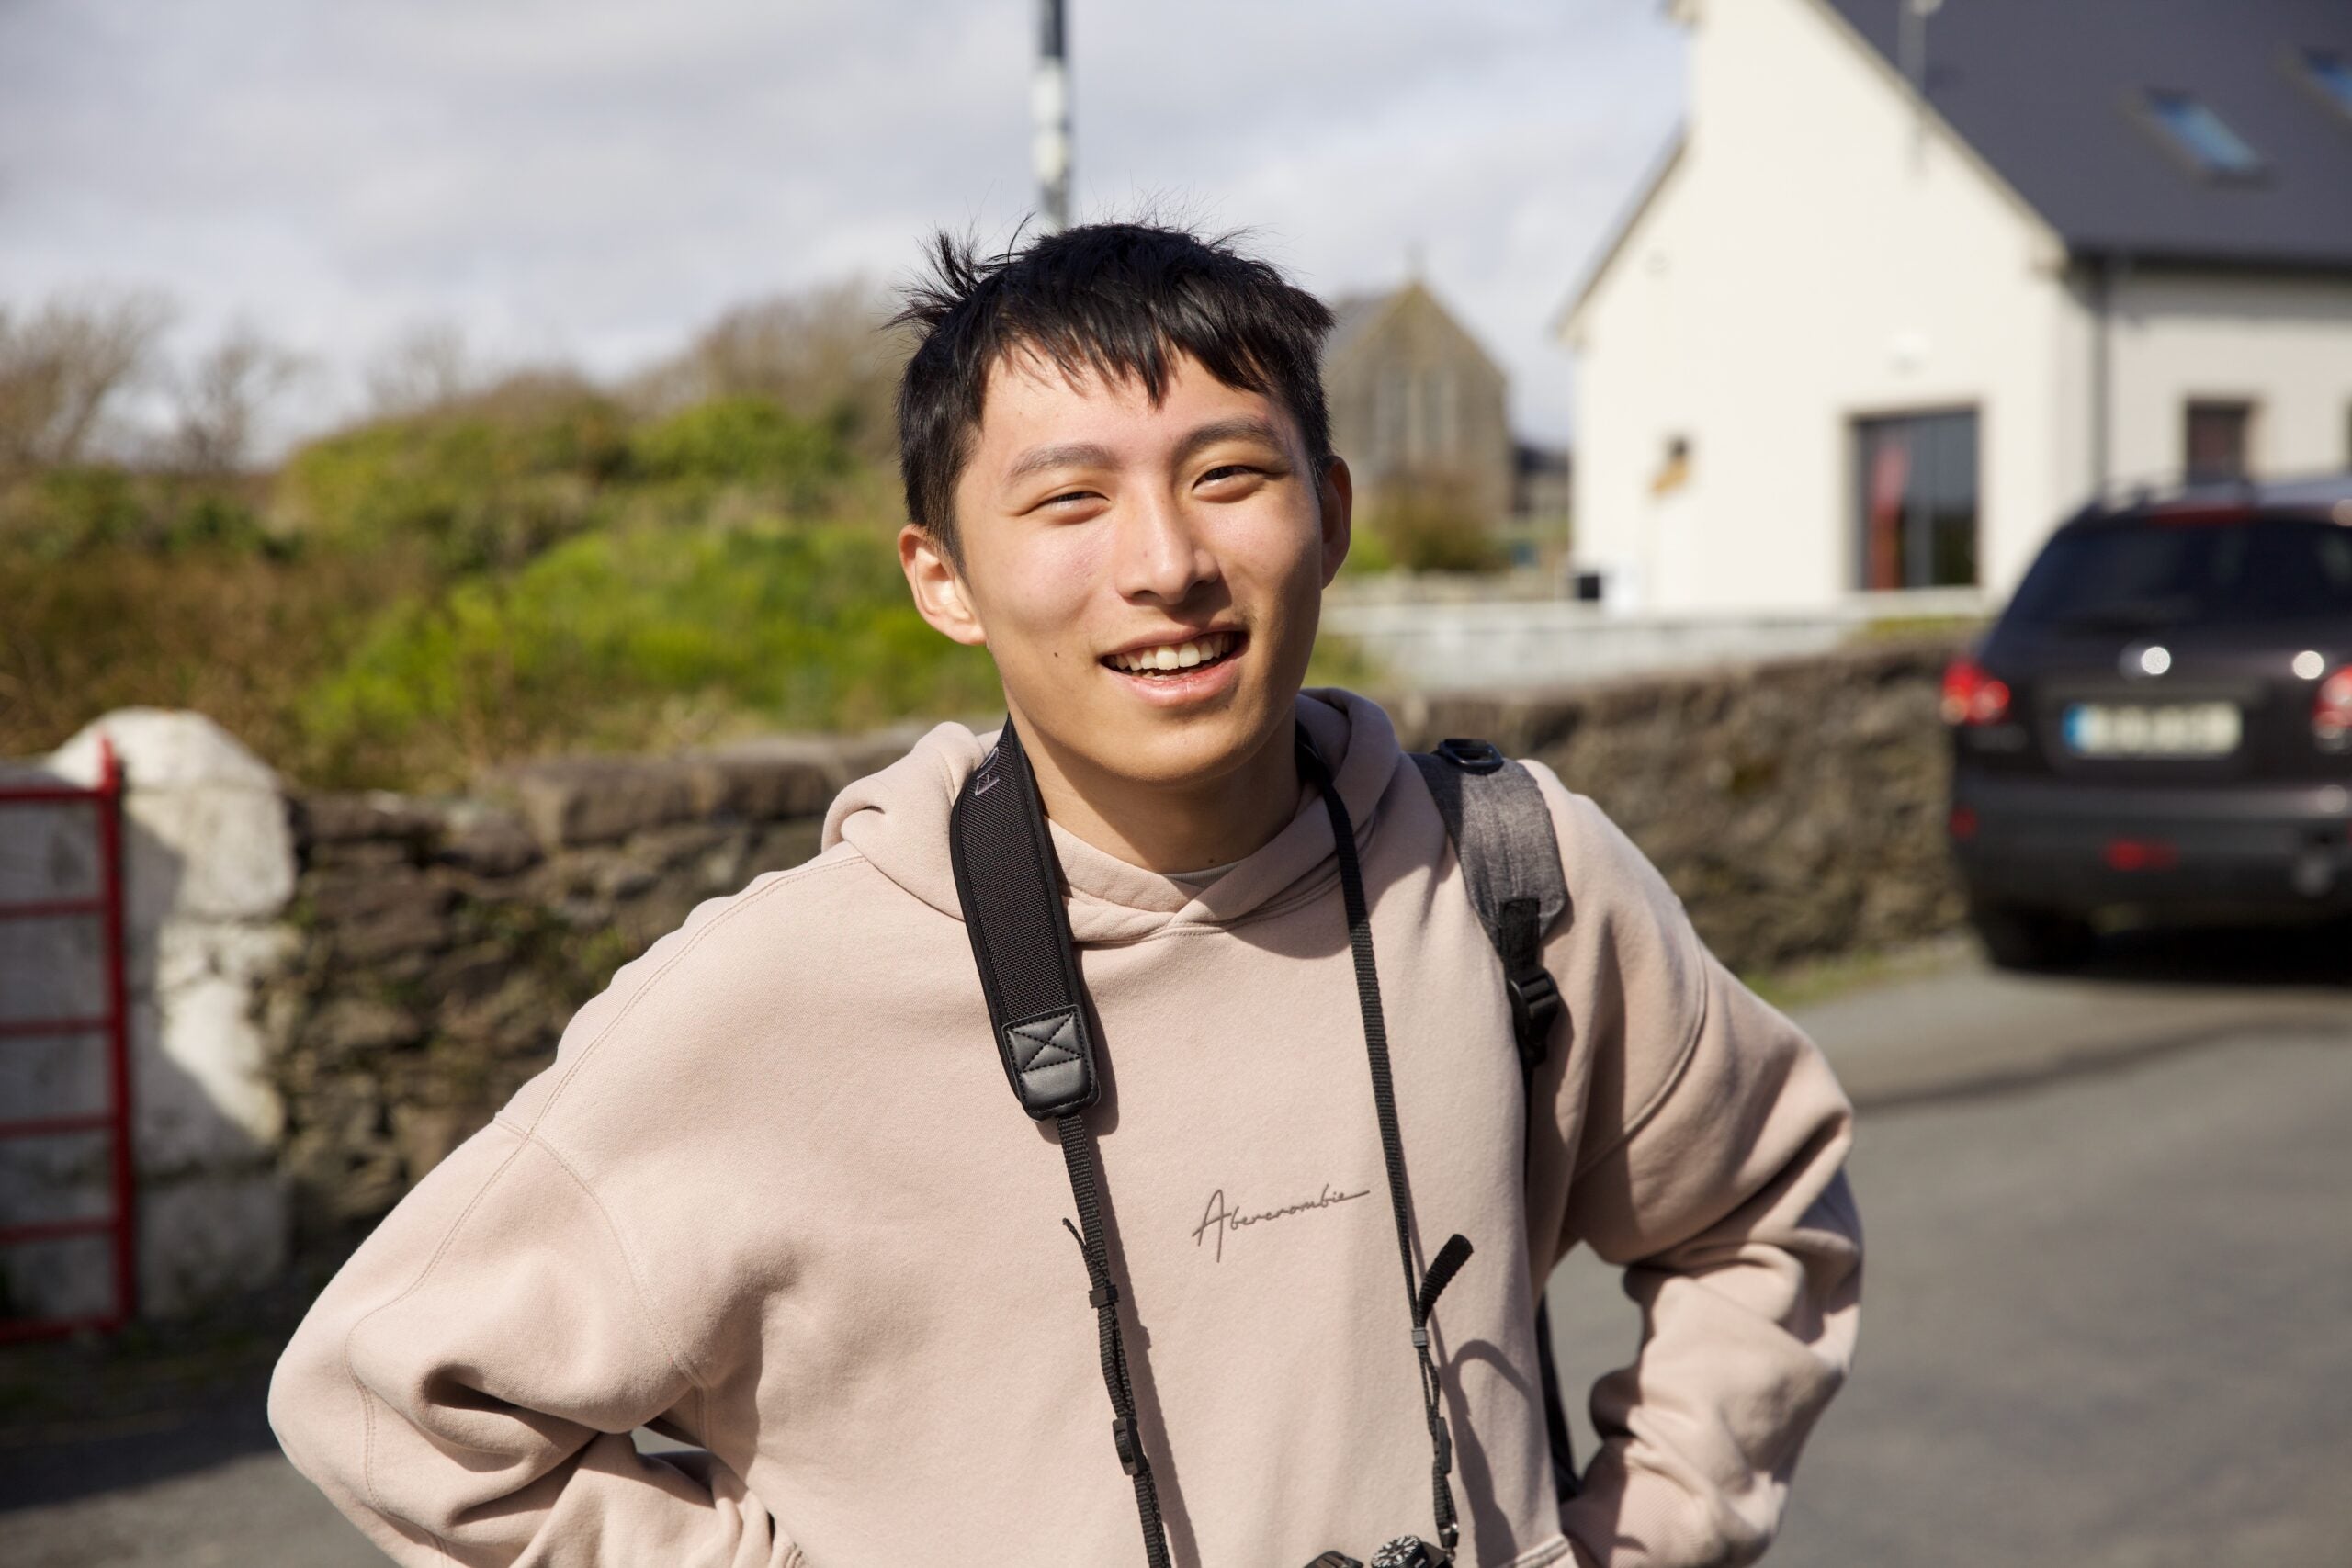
x=594, y=178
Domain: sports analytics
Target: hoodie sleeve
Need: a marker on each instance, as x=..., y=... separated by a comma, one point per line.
x=1709, y=1138
x=465, y=1387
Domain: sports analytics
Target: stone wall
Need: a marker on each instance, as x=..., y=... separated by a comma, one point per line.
x=1796, y=806
x=419, y=958
x=447, y=941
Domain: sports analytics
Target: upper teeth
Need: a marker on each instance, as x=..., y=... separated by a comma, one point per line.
x=1176, y=655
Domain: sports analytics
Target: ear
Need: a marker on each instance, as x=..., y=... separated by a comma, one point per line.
x=940, y=595
x=1336, y=496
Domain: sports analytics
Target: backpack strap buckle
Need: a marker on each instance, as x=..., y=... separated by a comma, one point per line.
x=1471, y=756
x=1534, y=1004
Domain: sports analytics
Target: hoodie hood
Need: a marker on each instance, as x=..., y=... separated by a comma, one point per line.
x=898, y=819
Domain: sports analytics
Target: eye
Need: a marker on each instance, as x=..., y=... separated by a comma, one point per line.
x=1225, y=471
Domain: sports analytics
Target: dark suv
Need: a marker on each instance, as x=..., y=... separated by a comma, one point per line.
x=2161, y=721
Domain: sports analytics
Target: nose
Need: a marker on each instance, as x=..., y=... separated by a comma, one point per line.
x=1162, y=556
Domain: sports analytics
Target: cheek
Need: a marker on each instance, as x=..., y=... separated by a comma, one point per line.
x=1045, y=589
x=1282, y=555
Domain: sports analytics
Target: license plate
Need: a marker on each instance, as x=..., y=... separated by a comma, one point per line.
x=2138, y=729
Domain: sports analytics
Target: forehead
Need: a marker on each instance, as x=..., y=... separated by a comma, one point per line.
x=1028, y=399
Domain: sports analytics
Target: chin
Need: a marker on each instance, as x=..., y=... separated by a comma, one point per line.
x=1171, y=749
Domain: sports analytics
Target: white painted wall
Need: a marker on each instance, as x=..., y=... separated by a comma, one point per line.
x=1813, y=258
x=208, y=870
x=2283, y=343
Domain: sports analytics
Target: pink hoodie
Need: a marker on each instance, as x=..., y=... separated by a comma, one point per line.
x=774, y=1197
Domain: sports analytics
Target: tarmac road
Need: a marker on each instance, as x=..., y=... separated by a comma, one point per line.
x=2108, y=1282
x=2109, y=1300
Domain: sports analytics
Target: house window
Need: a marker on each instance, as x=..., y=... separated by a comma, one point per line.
x=2213, y=441
x=2331, y=72
x=1442, y=416
x=2200, y=138
x=1916, y=487
x=1392, y=420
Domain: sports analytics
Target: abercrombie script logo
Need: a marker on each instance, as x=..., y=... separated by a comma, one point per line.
x=1221, y=1216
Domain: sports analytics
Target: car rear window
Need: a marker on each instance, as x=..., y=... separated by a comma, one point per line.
x=2127, y=576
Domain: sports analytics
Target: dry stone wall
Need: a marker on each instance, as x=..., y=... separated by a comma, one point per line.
x=445, y=942
x=1795, y=806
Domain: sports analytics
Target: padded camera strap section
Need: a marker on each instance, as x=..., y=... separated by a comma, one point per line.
x=1008, y=881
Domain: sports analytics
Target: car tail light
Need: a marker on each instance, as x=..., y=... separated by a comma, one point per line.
x=1970, y=697
x=2141, y=855
x=2332, y=710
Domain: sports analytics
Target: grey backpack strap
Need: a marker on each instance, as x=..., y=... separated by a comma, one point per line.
x=1502, y=834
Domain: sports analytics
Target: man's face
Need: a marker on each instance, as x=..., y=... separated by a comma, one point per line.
x=1147, y=579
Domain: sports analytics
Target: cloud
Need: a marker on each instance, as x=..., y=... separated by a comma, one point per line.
x=594, y=178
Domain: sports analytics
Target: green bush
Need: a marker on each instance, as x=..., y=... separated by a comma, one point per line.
x=641, y=636
x=488, y=482
x=745, y=440
x=63, y=513
x=1422, y=527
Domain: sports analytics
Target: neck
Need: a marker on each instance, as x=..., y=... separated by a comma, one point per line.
x=1169, y=827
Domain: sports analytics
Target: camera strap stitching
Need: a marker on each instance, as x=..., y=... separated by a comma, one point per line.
x=1078, y=1153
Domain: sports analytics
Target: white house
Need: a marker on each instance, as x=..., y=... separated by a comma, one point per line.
x=1916, y=279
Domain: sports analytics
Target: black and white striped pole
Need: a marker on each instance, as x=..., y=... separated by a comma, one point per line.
x=1049, y=112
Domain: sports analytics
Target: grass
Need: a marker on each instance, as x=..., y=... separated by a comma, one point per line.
x=1814, y=980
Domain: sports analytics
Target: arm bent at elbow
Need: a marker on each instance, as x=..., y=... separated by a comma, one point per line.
x=1728, y=1207
x=465, y=1388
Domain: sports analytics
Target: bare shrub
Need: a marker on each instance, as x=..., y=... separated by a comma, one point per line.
x=428, y=367
x=222, y=397
x=822, y=353
x=61, y=366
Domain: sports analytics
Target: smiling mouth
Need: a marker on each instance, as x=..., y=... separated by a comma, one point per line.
x=1176, y=658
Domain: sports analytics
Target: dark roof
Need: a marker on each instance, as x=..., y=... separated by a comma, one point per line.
x=1351, y=315
x=1357, y=317
x=2048, y=93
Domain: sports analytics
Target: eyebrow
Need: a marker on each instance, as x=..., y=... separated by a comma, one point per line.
x=1242, y=427
x=1069, y=453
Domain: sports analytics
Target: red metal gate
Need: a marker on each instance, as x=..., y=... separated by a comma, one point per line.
x=114, y=1024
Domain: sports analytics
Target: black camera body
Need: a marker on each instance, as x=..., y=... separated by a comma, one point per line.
x=1405, y=1552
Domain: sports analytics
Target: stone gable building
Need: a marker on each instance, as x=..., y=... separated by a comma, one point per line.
x=1417, y=403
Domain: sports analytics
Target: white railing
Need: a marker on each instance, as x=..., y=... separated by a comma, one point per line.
x=1516, y=643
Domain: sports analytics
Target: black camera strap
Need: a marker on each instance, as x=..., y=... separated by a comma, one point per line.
x=1008, y=882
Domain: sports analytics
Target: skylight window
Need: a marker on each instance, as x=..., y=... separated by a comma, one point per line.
x=2200, y=138
x=2332, y=73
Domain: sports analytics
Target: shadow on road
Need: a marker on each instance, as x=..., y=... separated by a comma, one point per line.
x=2238, y=955
x=91, y=1414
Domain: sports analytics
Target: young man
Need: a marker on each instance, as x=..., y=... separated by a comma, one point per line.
x=774, y=1198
